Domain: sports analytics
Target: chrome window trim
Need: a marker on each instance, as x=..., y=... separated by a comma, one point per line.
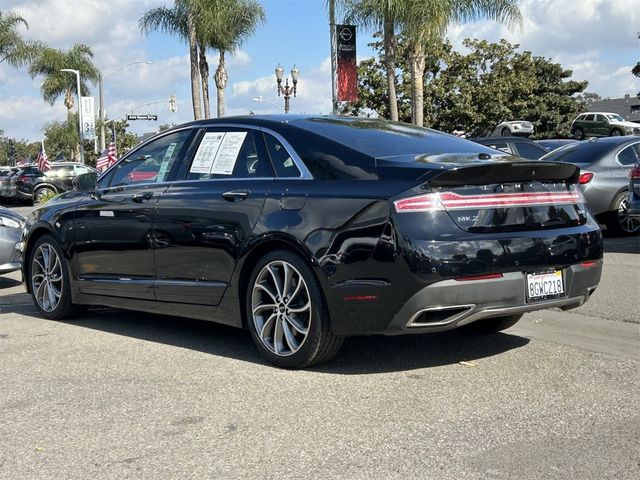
x=617, y=159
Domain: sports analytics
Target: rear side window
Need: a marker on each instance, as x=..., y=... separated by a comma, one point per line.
x=527, y=150
x=628, y=156
x=589, y=118
x=225, y=154
x=329, y=160
x=280, y=157
x=60, y=171
x=579, y=153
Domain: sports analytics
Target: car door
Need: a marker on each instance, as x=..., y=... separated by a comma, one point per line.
x=115, y=225
x=204, y=220
x=625, y=160
x=601, y=126
x=588, y=125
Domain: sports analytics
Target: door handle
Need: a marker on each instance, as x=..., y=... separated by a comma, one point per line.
x=236, y=195
x=141, y=197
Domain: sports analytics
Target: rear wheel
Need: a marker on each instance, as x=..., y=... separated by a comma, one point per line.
x=49, y=280
x=578, y=133
x=505, y=132
x=286, y=313
x=493, y=325
x=620, y=222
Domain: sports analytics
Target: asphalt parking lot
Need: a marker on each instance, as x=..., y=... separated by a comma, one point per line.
x=119, y=394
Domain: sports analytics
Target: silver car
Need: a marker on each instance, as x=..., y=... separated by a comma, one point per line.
x=517, y=128
x=605, y=164
x=11, y=224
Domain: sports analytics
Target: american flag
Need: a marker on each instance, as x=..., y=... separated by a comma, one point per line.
x=43, y=160
x=108, y=156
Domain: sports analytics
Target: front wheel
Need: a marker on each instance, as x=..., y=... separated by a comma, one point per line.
x=49, y=280
x=505, y=132
x=286, y=313
x=616, y=132
x=620, y=222
x=494, y=325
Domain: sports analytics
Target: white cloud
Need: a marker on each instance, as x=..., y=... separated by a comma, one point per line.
x=591, y=37
x=25, y=116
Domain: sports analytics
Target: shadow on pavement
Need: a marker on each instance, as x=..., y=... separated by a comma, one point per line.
x=621, y=244
x=359, y=355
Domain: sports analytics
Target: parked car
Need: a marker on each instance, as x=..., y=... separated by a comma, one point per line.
x=550, y=144
x=11, y=224
x=634, y=192
x=31, y=184
x=602, y=124
x=518, y=146
x=513, y=128
x=306, y=229
x=605, y=165
x=6, y=193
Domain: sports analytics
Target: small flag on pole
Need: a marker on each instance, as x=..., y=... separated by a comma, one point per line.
x=108, y=156
x=43, y=160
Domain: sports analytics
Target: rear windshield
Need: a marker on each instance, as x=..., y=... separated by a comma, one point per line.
x=583, y=153
x=380, y=139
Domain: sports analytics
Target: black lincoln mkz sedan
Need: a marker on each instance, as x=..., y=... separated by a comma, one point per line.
x=306, y=229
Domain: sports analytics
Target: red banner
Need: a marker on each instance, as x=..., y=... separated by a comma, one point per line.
x=347, y=68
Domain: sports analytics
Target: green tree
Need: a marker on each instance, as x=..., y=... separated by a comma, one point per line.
x=13, y=49
x=425, y=22
x=223, y=25
x=62, y=137
x=56, y=83
x=476, y=90
x=179, y=20
x=380, y=15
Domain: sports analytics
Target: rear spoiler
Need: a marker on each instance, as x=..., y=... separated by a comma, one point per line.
x=503, y=172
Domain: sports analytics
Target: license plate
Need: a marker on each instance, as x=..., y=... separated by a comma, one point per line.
x=544, y=286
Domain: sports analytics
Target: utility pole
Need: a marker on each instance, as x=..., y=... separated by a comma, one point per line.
x=332, y=36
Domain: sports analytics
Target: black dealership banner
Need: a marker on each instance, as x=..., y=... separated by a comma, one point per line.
x=346, y=66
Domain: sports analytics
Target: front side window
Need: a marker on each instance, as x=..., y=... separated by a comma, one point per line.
x=628, y=156
x=589, y=118
x=600, y=118
x=503, y=147
x=153, y=162
x=229, y=154
x=527, y=150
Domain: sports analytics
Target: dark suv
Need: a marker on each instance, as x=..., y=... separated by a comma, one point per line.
x=32, y=185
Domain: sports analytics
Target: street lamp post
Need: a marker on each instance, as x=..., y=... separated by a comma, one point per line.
x=102, y=113
x=287, y=90
x=77, y=72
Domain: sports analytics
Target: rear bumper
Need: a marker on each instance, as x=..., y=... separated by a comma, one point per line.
x=450, y=304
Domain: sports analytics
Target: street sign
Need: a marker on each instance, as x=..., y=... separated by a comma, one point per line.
x=142, y=117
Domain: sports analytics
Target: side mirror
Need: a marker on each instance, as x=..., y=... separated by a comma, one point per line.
x=86, y=182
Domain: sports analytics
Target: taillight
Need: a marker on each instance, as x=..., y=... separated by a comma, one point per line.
x=433, y=202
x=23, y=178
x=635, y=173
x=585, y=177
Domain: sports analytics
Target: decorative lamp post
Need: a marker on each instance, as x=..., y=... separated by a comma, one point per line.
x=286, y=91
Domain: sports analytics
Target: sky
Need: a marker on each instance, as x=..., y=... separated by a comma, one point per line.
x=597, y=39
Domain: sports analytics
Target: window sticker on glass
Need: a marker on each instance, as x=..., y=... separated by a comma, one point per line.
x=228, y=153
x=207, y=151
x=166, y=161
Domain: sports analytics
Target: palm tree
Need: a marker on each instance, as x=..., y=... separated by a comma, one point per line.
x=376, y=15
x=223, y=25
x=181, y=21
x=49, y=63
x=13, y=49
x=426, y=21
x=56, y=83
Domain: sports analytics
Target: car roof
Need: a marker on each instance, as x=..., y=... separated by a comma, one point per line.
x=599, y=113
x=501, y=139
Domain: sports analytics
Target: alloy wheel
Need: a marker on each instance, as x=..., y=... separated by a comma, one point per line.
x=46, y=277
x=626, y=222
x=281, y=308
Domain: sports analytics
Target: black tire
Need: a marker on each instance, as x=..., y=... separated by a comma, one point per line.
x=505, y=132
x=616, y=132
x=64, y=309
x=618, y=220
x=319, y=344
x=578, y=133
x=40, y=193
x=494, y=325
